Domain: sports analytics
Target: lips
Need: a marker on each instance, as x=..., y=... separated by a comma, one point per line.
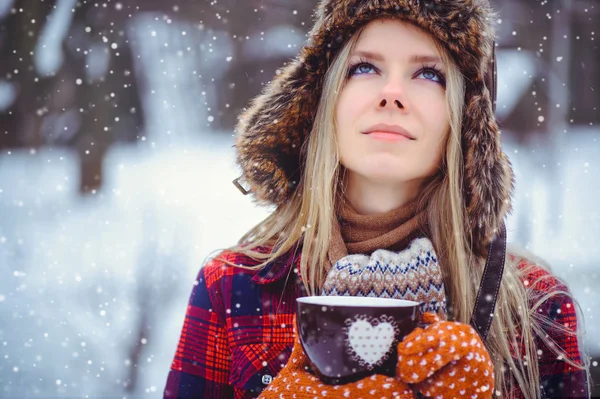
x=389, y=130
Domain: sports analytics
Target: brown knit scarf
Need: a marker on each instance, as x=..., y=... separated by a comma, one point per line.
x=363, y=234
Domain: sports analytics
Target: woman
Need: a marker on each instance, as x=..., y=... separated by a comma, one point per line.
x=380, y=133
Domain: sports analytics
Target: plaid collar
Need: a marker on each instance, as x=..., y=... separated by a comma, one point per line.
x=279, y=268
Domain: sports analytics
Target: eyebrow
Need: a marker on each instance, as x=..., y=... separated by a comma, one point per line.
x=414, y=59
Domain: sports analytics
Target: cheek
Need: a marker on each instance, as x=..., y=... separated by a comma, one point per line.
x=343, y=119
x=435, y=122
x=345, y=114
x=342, y=113
x=351, y=101
x=439, y=130
x=435, y=118
x=436, y=145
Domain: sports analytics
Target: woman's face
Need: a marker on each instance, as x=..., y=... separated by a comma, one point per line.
x=391, y=116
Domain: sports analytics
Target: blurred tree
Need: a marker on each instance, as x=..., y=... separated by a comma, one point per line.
x=107, y=97
x=91, y=98
x=585, y=61
x=560, y=33
x=86, y=100
x=19, y=33
x=247, y=23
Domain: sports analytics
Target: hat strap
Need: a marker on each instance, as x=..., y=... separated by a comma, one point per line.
x=483, y=312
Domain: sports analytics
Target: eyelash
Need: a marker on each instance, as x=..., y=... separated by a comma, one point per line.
x=434, y=69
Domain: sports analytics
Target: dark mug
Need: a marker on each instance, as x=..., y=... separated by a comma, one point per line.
x=348, y=338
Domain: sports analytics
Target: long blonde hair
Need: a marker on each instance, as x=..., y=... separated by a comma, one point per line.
x=308, y=218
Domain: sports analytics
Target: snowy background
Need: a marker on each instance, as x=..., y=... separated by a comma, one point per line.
x=94, y=282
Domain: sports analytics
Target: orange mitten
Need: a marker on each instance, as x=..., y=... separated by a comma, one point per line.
x=295, y=381
x=446, y=360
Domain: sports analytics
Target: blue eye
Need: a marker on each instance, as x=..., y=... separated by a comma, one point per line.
x=361, y=69
x=432, y=74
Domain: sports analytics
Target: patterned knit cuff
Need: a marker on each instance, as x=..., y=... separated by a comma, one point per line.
x=413, y=274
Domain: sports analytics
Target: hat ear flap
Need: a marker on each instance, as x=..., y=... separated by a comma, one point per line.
x=488, y=176
x=272, y=130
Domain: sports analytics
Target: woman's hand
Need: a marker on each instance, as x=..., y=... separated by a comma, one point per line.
x=447, y=360
x=294, y=380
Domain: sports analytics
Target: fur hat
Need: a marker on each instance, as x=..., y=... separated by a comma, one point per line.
x=272, y=131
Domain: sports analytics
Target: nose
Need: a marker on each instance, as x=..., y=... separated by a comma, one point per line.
x=392, y=96
x=397, y=103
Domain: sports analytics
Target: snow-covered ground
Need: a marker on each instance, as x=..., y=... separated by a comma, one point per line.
x=78, y=274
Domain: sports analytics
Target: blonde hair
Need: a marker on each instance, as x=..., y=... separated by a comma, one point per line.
x=308, y=218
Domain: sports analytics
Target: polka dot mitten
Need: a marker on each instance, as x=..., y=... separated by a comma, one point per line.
x=295, y=381
x=445, y=360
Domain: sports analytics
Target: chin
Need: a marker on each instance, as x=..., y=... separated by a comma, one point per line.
x=387, y=176
x=384, y=169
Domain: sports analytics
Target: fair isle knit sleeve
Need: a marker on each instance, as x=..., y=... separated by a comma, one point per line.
x=412, y=274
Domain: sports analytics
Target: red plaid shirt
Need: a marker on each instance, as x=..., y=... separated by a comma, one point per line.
x=237, y=333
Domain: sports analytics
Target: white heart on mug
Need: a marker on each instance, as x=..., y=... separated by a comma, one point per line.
x=370, y=343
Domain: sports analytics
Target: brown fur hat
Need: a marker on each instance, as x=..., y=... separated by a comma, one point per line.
x=273, y=129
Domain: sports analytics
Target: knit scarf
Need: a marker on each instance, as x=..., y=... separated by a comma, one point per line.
x=385, y=255
x=364, y=234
